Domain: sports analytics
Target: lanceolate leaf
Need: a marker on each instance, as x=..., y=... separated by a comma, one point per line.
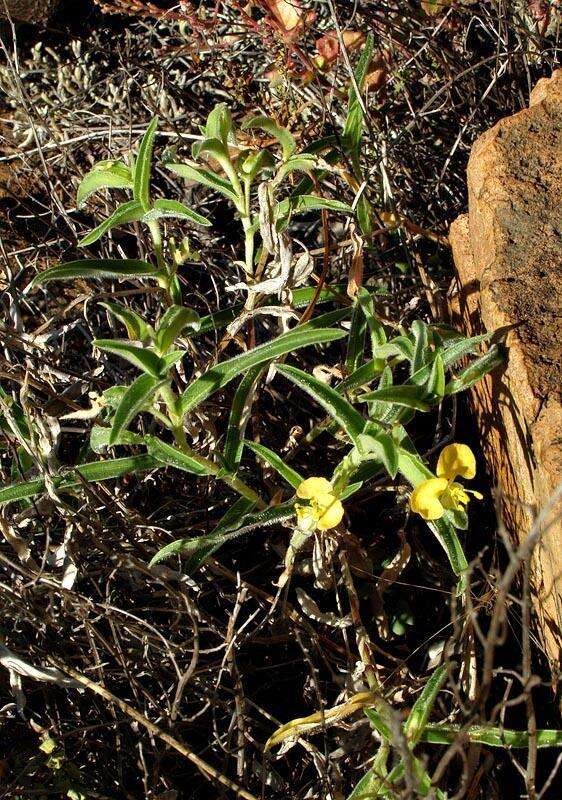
x=356, y=340
x=436, y=733
x=239, y=414
x=135, y=400
x=141, y=357
x=332, y=402
x=218, y=376
x=476, y=371
x=96, y=268
x=176, y=210
x=354, y=122
x=288, y=473
x=143, y=166
x=173, y=322
x=309, y=202
x=219, y=123
x=171, y=456
x=200, y=548
x=299, y=163
x=213, y=146
x=107, y=175
x=419, y=715
x=408, y=396
x=205, y=177
x=135, y=325
x=301, y=298
x=285, y=139
x=128, y=212
x=91, y=472
x=382, y=447
x=99, y=438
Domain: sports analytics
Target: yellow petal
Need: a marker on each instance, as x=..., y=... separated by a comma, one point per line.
x=425, y=499
x=330, y=510
x=456, y=459
x=312, y=487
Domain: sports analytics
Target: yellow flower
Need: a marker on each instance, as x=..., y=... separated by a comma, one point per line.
x=432, y=497
x=324, y=510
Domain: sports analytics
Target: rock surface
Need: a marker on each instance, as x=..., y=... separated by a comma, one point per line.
x=27, y=10
x=508, y=256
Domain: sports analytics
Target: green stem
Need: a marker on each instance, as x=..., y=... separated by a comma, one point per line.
x=156, y=235
x=176, y=424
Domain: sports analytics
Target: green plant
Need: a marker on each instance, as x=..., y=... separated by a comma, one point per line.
x=390, y=374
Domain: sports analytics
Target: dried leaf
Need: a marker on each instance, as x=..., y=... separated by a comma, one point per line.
x=290, y=17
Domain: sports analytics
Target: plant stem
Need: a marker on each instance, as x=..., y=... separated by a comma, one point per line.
x=166, y=275
x=176, y=424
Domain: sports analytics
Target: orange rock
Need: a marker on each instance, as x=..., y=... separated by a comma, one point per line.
x=508, y=257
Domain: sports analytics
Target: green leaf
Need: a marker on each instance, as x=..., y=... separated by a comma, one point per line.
x=197, y=549
x=288, y=473
x=364, y=211
x=135, y=400
x=205, y=177
x=136, y=327
x=95, y=268
x=421, y=342
x=419, y=715
x=218, y=376
x=283, y=136
x=309, y=202
x=141, y=357
x=382, y=447
x=256, y=162
x=356, y=339
x=333, y=403
x=375, y=326
x=399, y=346
x=173, y=322
x=99, y=438
x=174, y=209
x=200, y=548
x=407, y=396
x=219, y=124
x=435, y=386
x=369, y=785
x=476, y=371
x=299, y=163
x=353, y=127
x=213, y=146
x=91, y=472
x=170, y=359
x=437, y=733
x=105, y=175
x=239, y=414
x=171, y=456
x=143, y=166
x=301, y=298
x=461, y=347
x=128, y=212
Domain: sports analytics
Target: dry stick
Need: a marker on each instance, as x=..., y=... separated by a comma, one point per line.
x=531, y=771
x=523, y=554
x=206, y=769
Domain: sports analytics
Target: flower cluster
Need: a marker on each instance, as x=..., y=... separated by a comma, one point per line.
x=323, y=511
x=432, y=497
